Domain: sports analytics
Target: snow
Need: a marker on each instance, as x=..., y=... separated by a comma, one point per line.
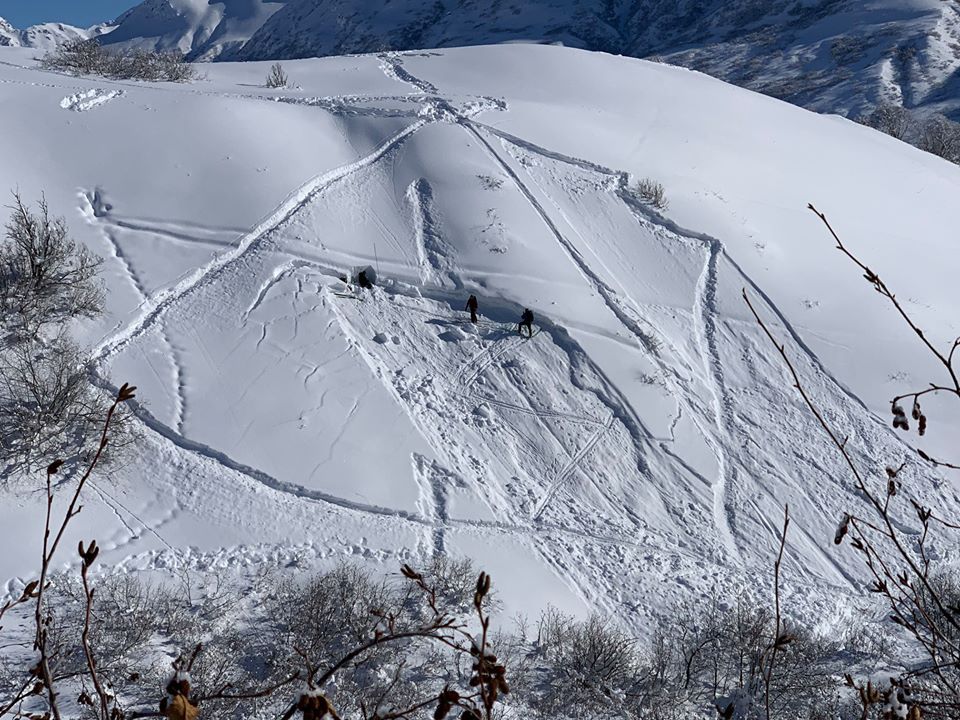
x=843, y=56
x=47, y=36
x=200, y=29
x=636, y=450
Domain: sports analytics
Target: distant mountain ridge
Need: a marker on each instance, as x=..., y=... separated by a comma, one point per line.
x=839, y=56
x=47, y=35
x=200, y=29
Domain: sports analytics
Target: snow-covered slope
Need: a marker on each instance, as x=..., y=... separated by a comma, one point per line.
x=200, y=29
x=637, y=449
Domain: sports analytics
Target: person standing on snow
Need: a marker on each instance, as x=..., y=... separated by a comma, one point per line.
x=472, y=307
x=526, y=321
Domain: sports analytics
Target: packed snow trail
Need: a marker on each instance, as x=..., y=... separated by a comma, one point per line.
x=644, y=439
x=296, y=200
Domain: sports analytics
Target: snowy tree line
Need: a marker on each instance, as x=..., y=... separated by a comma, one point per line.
x=934, y=133
x=703, y=659
x=89, y=57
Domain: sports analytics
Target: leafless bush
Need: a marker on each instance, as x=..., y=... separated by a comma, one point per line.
x=594, y=661
x=720, y=658
x=941, y=137
x=277, y=77
x=893, y=120
x=49, y=408
x=45, y=276
x=89, y=57
x=82, y=57
x=652, y=193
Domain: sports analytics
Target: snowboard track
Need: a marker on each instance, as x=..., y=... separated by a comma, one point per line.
x=264, y=229
x=620, y=409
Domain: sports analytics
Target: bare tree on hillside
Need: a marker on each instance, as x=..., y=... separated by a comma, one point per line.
x=941, y=137
x=893, y=120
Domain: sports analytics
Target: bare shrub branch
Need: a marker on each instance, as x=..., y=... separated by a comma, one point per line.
x=899, y=563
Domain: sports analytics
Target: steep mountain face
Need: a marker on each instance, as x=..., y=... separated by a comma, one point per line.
x=633, y=453
x=9, y=35
x=200, y=29
x=838, y=56
x=49, y=35
x=841, y=56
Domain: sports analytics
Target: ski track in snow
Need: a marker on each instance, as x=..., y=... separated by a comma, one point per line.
x=706, y=332
x=570, y=467
x=392, y=67
x=154, y=308
x=433, y=259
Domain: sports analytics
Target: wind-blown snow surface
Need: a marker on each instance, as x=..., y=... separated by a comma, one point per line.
x=639, y=448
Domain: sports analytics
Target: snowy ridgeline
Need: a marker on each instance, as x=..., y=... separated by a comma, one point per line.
x=633, y=454
x=835, y=56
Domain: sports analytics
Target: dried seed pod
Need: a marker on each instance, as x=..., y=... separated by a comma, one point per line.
x=922, y=425
x=449, y=696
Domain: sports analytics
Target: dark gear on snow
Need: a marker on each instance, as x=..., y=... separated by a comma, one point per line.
x=526, y=321
x=363, y=281
x=472, y=307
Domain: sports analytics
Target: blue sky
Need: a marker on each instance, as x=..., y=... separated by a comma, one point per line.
x=21, y=13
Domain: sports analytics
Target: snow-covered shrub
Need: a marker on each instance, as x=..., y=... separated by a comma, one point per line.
x=652, y=193
x=45, y=276
x=82, y=57
x=277, y=77
x=594, y=662
x=89, y=57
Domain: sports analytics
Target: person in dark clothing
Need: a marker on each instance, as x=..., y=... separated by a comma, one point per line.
x=363, y=281
x=472, y=307
x=526, y=321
